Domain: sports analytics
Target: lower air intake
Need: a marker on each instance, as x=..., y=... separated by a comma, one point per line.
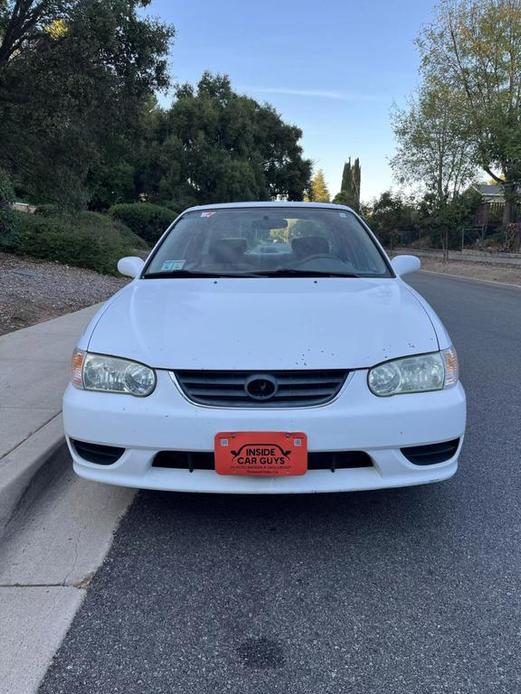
x=432, y=454
x=187, y=460
x=96, y=453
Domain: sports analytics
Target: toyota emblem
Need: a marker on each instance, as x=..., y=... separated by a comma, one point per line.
x=261, y=387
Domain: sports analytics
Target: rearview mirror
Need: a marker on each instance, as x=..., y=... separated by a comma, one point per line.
x=130, y=266
x=271, y=223
x=405, y=264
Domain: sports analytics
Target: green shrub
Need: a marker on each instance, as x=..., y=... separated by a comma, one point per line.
x=48, y=210
x=86, y=239
x=110, y=225
x=144, y=219
x=8, y=234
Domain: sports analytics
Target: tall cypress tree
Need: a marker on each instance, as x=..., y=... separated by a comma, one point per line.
x=346, y=177
x=351, y=178
x=356, y=174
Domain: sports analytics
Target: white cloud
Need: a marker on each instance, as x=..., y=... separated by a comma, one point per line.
x=314, y=93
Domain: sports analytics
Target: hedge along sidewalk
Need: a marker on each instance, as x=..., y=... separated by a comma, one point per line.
x=34, y=370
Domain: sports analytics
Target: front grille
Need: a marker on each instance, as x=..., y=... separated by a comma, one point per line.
x=431, y=454
x=235, y=388
x=96, y=453
x=195, y=460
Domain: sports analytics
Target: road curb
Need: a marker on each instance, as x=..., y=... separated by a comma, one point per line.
x=19, y=466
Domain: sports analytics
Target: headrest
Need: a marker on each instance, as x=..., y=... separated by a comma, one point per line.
x=305, y=246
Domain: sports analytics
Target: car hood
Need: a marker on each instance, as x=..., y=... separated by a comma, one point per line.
x=264, y=323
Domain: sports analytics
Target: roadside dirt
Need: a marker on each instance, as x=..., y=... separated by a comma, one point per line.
x=33, y=291
x=476, y=271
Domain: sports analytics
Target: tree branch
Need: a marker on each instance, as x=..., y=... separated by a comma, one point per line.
x=24, y=17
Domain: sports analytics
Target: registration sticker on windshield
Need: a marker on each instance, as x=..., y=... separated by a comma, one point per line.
x=170, y=265
x=208, y=213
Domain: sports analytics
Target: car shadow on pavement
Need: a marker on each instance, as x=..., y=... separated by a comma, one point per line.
x=388, y=513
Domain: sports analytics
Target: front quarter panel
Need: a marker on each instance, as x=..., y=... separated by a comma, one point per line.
x=83, y=342
x=443, y=336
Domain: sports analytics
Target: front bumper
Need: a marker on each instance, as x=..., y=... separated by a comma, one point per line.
x=356, y=420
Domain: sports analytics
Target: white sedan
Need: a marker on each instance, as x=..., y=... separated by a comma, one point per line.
x=266, y=348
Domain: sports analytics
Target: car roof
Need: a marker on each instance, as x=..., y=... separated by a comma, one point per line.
x=269, y=203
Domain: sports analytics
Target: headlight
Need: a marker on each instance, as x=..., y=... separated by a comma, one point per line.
x=111, y=374
x=424, y=372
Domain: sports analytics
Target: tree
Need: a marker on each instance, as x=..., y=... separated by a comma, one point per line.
x=347, y=180
x=350, y=188
x=319, y=191
x=213, y=145
x=73, y=80
x=444, y=223
x=390, y=215
x=356, y=178
x=434, y=151
x=473, y=48
x=342, y=198
x=24, y=22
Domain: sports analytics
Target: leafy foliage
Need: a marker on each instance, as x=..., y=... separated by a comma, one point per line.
x=87, y=240
x=393, y=218
x=319, y=191
x=74, y=76
x=48, y=210
x=473, y=49
x=7, y=221
x=214, y=145
x=80, y=125
x=350, y=189
x=433, y=144
x=443, y=223
x=145, y=219
x=400, y=220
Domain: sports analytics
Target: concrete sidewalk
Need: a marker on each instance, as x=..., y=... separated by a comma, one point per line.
x=34, y=370
x=55, y=528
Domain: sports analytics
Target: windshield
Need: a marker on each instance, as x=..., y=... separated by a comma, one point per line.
x=268, y=241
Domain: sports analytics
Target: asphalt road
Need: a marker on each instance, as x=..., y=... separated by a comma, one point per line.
x=408, y=591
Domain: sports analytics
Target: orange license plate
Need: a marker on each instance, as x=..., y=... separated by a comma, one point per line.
x=261, y=453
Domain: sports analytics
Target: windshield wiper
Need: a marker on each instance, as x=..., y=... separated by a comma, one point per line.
x=294, y=272
x=279, y=272
x=194, y=273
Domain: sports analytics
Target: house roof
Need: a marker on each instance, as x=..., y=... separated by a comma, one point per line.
x=490, y=191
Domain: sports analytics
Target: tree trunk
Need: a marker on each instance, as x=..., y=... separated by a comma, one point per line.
x=510, y=202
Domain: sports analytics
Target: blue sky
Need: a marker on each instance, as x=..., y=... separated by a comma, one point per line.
x=332, y=68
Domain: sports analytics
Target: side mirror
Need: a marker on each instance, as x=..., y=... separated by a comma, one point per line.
x=405, y=264
x=130, y=266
